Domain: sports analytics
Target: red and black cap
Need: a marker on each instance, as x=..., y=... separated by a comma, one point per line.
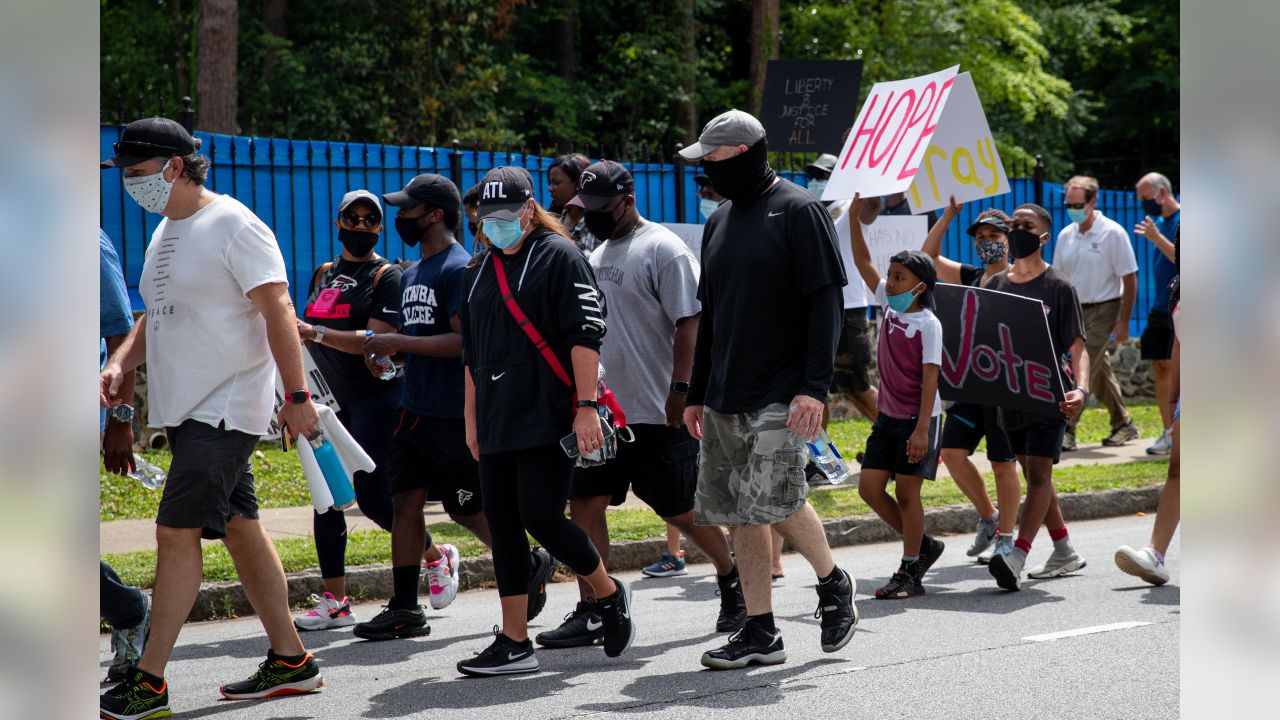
x=602, y=182
x=149, y=138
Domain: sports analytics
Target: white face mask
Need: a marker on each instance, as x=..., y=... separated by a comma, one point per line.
x=150, y=191
x=816, y=187
x=706, y=206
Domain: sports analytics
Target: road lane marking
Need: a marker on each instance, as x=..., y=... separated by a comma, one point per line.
x=1084, y=631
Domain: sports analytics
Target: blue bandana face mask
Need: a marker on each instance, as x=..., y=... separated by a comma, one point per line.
x=900, y=302
x=502, y=233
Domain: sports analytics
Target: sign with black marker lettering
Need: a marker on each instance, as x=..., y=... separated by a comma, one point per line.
x=808, y=104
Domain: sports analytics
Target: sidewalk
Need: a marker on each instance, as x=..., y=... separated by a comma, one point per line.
x=119, y=536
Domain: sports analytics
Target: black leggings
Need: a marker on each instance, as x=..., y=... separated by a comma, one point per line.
x=527, y=490
x=370, y=420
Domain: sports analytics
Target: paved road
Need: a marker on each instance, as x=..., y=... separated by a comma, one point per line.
x=966, y=649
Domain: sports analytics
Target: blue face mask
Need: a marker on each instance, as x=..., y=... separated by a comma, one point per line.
x=816, y=187
x=901, y=301
x=1078, y=216
x=502, y=233
x=706, y=206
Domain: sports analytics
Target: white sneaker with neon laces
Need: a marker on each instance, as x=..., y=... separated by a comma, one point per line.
x=442, y=577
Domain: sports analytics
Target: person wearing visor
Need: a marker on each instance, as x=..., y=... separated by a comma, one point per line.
x=532, y=322
x=355, y=294
x=651, y=280
x=968, y=423
x=219, y=324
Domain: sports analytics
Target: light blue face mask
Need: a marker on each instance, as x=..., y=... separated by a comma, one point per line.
x=816, y=187
x=1078, y=216
x=502, y=233
x=901, y=301
x=706, y=206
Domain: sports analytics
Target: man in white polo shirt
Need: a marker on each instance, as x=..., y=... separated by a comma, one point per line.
x=1095, y=254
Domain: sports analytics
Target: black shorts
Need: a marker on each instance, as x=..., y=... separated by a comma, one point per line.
x=432, y=453
x=968, y=423
x=661, y=467
x=853, y=354
x=887, y=448
x=1035, y=435
x=210, y=479
x=1157, y=338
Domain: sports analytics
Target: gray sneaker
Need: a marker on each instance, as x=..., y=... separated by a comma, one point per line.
x=986, y=535
x=1121, y=435
x=1069, y=441
x=1002, y=545
x=1062, y=560
x=1007, y=569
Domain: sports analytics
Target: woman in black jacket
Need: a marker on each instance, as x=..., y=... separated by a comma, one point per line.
x=518, y=407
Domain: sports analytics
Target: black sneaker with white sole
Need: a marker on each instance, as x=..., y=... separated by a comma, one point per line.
x=503, y=657
x=751, y=645
x=276, y=677
x=541, y=567
x=140, y=696
x=580, y=628
x=733, y=607
x=904, y=584
x=615, y=611
x=930, y=550
x=394, y=623
x=838, y=612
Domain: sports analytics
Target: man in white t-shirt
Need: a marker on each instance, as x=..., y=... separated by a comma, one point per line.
x=219, y=322
x=1095, y=255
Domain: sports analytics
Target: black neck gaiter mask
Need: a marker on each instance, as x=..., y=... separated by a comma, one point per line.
x=742, y=178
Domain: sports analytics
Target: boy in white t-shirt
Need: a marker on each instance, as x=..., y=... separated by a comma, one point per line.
x=904, y=438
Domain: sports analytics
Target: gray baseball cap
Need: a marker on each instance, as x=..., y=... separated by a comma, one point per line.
x=361, y=194
x=728, y=128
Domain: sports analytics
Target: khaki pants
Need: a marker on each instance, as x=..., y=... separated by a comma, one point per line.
x=1099, y=321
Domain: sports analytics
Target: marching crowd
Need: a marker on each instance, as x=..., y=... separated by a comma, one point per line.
x=715, y=374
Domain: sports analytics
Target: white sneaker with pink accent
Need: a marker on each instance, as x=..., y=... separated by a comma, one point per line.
x=330, y=612
x=442, y=577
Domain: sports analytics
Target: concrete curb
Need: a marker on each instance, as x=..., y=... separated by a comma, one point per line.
x=372, y=582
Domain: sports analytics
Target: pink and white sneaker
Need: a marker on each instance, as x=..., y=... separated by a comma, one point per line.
x=442, y=577
x=330, y=612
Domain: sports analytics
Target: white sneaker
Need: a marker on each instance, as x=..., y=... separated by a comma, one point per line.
x=329, y=612
x=442, y=577
x=1062, y=561
x=1002, y=545
x=1142, y=563
x=1163, y=444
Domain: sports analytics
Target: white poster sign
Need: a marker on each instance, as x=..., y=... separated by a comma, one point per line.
x=890, y=235
x=691, y=235
x=961, y=159
x=320, y=391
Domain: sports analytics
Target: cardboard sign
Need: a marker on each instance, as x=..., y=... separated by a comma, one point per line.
x=891, y=234
x=691, y=235
x=997, y=350
x=319, y=387
x=807, y=104
x=961, y=159
x=927, y=135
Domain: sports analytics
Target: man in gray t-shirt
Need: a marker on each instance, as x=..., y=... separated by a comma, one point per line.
x=650, y=280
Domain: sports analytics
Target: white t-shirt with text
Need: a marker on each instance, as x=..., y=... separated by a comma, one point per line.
x=1095, y=261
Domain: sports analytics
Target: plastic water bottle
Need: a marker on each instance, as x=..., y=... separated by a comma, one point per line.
x=335, y=476
x=384, y=362
x=827, y=459
x=144, y=472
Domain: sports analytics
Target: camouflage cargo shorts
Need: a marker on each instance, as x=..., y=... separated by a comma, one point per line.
x=751, y=470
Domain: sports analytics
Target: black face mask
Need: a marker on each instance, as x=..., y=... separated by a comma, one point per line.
x=1023, y=244
x=602, y=224
x=742, y=178
x=408, y=230
x=357, y=242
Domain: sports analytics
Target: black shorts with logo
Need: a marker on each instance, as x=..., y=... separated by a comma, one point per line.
x=853, y=354
x=210, y=479
x=887, y=447
x=432, y=453
x=661, y=466
x=1157, y=337
x=968, y=423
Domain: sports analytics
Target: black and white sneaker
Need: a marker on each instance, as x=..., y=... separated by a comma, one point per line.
x=580, y=628
x=750, y=645
x=541, y=567
x=930, y=550
x=503, y=657
x=733, y=607
x=394, y=623
x=615, y=611
x=838, y=612
x=904, y=584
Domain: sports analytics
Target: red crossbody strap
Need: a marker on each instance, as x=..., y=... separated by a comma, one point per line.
x=523, y=321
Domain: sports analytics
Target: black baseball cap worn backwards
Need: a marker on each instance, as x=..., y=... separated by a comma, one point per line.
x=921, y=265
x=149, y=138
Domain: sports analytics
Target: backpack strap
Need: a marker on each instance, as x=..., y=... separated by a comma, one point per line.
x=319, y=273
x=378, y=275
x=527, y=326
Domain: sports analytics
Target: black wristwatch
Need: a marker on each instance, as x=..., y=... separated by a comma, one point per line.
x=589, y=404
x=680, y=387
x=300, y=397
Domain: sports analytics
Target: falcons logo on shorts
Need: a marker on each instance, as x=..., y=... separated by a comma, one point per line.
x=464, y=496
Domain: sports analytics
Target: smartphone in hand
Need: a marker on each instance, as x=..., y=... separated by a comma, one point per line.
x=569, y=443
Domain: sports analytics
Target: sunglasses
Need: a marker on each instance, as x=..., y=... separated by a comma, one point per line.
x=1076, y=206
x=355, y=220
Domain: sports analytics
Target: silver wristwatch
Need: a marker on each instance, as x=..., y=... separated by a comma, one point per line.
x=320, y=331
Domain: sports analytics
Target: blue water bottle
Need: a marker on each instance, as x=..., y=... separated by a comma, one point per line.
x=335, y=476
x=823, y=454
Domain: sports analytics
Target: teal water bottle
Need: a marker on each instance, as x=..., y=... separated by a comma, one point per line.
x=335, y=476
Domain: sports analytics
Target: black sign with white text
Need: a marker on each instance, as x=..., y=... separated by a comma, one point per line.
x=808, y=104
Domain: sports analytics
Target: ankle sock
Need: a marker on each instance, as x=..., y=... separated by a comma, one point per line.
x=404, y=579
x=764, y=622
x=1159, y=555
x=832, y=577
x=1056, y=535
x=1022, y=545
x=908, y=559
x=287, y=659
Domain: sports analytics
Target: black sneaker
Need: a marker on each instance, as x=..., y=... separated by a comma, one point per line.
x=903, y=584
x=733, y=607
x=615, y=611
x=140, y=697
x=542, y=567
x=503, y=657
x=276, y=677
x=750, y=645
x=394, y=623
x=930, y=550
x=580, y=628
x=838, y=612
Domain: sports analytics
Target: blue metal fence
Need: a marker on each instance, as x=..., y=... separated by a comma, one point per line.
x=295, y=185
